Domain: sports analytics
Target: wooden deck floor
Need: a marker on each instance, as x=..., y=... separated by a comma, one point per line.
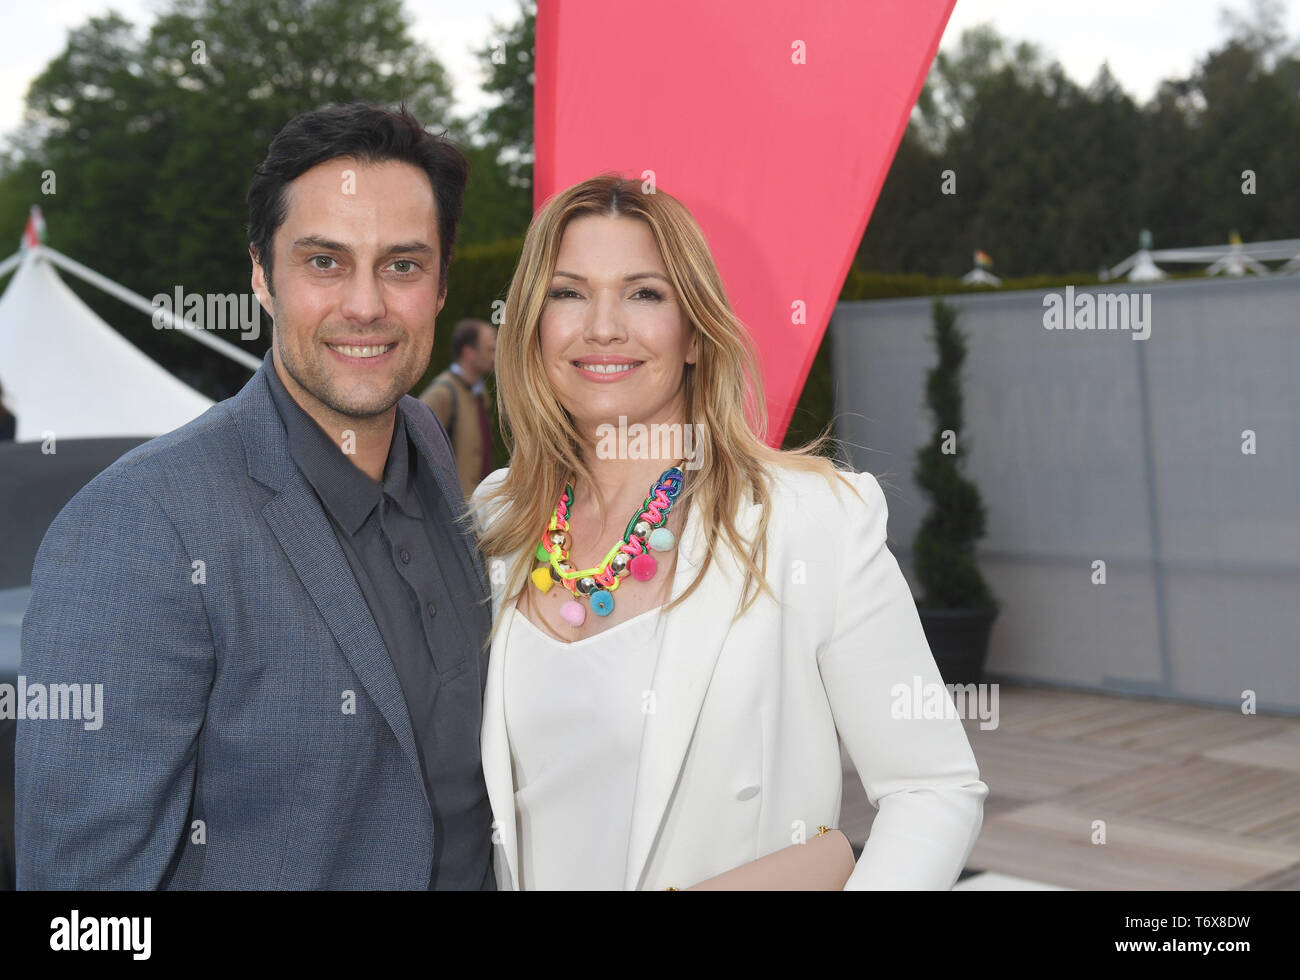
x=1191, y=797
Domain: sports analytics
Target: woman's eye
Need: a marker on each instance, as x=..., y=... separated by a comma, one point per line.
x=648, y=293
x=562, y=293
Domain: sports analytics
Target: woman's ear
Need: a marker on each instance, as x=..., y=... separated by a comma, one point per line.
x=693, y=352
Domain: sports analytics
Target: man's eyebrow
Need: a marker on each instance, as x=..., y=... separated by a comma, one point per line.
x=329, y=245
x=627, y=278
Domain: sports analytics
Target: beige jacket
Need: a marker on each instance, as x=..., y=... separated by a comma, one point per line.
x=466, y=440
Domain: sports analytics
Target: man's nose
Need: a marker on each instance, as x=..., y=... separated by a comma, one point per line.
x=363, y=298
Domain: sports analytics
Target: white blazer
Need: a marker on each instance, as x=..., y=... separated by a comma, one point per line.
x=740, y=756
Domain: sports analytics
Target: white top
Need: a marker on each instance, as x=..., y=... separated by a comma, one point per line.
x=743, y=748
x=574, y=716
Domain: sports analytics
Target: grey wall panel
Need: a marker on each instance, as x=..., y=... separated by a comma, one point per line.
x=1090, y=445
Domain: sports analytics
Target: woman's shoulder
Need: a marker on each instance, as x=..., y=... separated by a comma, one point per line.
x=824, y=486
x=825, y=510
x=489, y=483
x=478, y=500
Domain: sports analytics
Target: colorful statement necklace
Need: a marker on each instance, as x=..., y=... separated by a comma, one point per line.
x=645, y=531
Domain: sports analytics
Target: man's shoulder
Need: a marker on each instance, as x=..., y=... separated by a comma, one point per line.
x=180, y=471
x=421, y=416
x=177, y=457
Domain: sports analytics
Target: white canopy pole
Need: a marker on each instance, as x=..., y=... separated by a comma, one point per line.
x=223, y=347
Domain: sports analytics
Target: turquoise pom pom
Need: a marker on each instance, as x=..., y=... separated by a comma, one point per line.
x=661, y=539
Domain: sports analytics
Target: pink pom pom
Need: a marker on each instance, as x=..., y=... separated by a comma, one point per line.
x=643, y=567
x=573, y=613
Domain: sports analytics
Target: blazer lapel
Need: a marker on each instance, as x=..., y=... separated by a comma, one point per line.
x=419, y=422
x=498, y=769
x=692, y=639
x=299, y=523
x=307, y=536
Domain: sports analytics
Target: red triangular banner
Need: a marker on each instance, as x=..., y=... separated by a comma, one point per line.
x=774, y=122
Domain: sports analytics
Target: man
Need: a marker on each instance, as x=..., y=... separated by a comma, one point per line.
x=458, y=397
x=287, y=628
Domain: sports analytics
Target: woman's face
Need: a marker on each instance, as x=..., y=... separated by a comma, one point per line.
x=614, y=339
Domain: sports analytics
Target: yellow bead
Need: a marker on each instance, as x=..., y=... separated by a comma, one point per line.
x=542, y=578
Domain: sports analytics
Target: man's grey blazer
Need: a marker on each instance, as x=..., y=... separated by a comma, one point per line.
x=200, y=581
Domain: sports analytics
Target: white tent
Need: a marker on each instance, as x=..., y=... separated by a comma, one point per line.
x=65, y=371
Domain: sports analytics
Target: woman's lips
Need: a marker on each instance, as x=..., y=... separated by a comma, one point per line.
x=606, y=372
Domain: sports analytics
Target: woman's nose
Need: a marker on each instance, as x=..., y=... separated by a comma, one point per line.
x=605, y=318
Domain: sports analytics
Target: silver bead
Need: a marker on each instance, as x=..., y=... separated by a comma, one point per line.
x=558, y=538
x=641, y=529
x=587, y=585
x=619, y=563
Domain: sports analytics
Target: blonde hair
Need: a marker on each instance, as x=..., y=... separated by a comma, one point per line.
x=723, y=392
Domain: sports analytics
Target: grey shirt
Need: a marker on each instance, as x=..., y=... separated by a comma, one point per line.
x=399, y=539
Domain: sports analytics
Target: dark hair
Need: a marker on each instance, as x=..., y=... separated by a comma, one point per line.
x=466, y=334
x=369, y=134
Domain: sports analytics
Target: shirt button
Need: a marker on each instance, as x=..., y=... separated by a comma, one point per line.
x=433, y=610
x=748, y=793
x=406, y=557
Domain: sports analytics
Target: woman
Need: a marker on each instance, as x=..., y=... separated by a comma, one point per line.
x=658, y=711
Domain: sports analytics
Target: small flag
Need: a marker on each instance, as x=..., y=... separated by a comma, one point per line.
x=34, y=233
x=983, y=260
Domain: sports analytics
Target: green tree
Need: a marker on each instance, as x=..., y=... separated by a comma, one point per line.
x=944, y=546
x=153, y=140
x=507, y=127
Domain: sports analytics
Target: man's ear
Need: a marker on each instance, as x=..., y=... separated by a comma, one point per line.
x=259, y=282
x=442, y=300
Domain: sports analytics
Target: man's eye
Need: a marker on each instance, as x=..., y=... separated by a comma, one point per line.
x=408, y=262
x=316, y=258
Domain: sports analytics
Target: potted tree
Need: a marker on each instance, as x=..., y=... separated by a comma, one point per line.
x=957, y=607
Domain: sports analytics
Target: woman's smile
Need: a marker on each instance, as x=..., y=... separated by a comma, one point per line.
x=606, y=369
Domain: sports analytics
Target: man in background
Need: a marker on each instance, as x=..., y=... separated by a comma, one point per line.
x=458, y=397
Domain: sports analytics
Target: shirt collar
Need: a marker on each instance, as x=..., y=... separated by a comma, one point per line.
x=347, y=493
x=477, y=387
x=399, y=474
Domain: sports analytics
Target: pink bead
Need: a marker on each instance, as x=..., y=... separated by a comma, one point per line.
x=643, y=567
x=573, y=613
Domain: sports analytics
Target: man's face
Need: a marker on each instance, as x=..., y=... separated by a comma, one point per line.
x=356, y=286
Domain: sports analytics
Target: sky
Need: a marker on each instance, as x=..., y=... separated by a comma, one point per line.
x=1143, y=41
